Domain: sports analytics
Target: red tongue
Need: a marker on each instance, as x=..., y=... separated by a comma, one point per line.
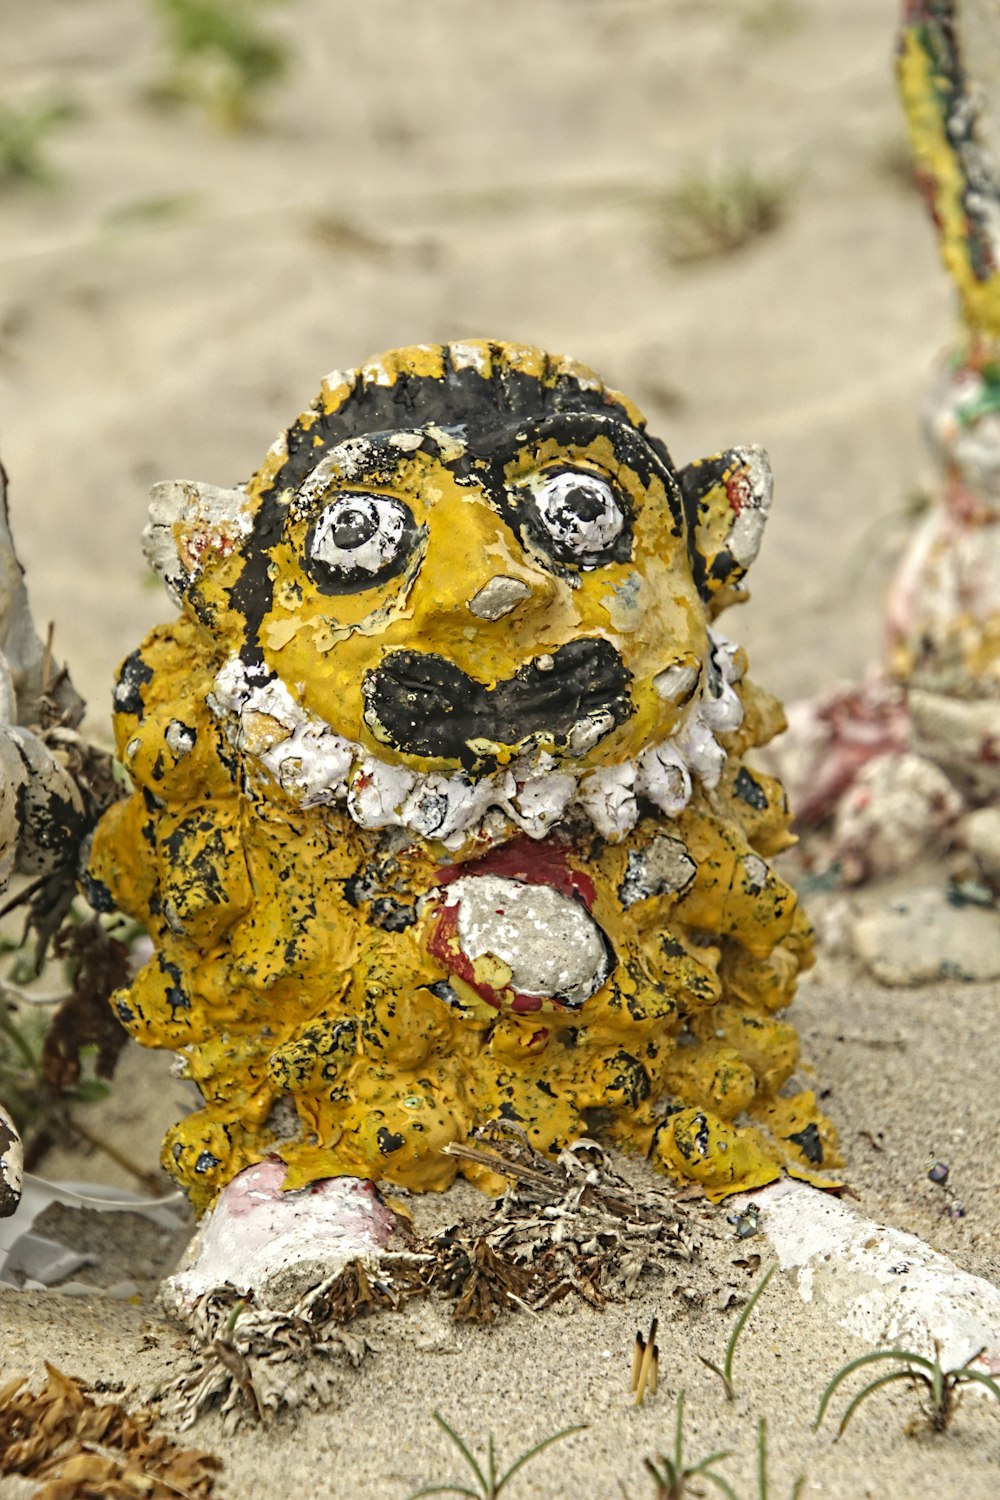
x=535, y=861
x=446, y=946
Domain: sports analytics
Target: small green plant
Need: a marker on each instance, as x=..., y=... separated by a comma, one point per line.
x=709, y=213
x=941, y=1389
x=489, y=1484
x=763, y=1492
x=672, y=1475
x=219, y=57
x=726, y=1373
x=23, y=134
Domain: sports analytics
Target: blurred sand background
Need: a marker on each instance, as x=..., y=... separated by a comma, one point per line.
x=477, y=168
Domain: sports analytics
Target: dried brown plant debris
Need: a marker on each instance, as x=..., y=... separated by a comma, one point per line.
x=83, y=1451
x=569, y=1226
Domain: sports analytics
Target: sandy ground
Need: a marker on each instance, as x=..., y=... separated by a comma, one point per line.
x=494, y=169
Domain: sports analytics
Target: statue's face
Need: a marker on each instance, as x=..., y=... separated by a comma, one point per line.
x=468, y=588
x=451, y=608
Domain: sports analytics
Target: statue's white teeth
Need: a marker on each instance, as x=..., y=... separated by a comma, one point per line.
x=676, y=683
x=588, y=732
x=315, y=766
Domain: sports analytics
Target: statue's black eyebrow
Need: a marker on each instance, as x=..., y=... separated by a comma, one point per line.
x=490, y=458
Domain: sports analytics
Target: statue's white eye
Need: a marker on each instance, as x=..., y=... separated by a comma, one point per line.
x=579, y=517
x=359, y=540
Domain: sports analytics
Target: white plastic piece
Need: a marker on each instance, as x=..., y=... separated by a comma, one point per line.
x=36, y=1196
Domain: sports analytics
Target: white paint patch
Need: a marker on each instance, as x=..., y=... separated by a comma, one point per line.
x=676, y=683
x=887, y=1287
x=257, y=1237
x=755, y=486
x=470, y=357
x=406, y=442
x=372, y=528
x=585, y=533
x=551, y=944
x=186, y=520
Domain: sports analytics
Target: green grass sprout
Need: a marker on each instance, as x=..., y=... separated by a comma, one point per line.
x=490, y=1485
x=942, y=1389
x=726, y=1372
x=672, y=1475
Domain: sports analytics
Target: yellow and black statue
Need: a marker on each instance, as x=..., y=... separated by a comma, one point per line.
x=440, y=807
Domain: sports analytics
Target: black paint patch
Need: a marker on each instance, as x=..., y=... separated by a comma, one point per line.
x=751, y=791
x=629, y=1084
x=388, y=1142
x=132, y=678
x=489, y=413
x=426, y=705
x=809, y=1143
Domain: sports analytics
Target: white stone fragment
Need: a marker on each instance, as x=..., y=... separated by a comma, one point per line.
x=607, y=796
x=722, y=712
x=981, y=834
x=886, y=1287
x=961, y=736
x=922, y=936
x=377, y=793
x=312, y=765
x=549, y=941
x=662, y=775
x=440, y=806
x=539, y=804
x=897, y=809
x=700, y=749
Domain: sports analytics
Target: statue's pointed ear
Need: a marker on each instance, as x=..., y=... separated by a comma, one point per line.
x=190, y=527
x=727, y=498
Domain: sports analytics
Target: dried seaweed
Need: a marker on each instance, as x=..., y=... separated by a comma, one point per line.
x=569, y=1226
x=254, y=1361
x=99, y=964
x=83, y=1451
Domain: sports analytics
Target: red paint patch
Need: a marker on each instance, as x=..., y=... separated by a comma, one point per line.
x=533, y=861
x=739, y=491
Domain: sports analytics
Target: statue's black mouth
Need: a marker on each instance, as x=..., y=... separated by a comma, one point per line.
x=423, y=704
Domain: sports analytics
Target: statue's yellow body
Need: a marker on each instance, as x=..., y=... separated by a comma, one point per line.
x=440, y=810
